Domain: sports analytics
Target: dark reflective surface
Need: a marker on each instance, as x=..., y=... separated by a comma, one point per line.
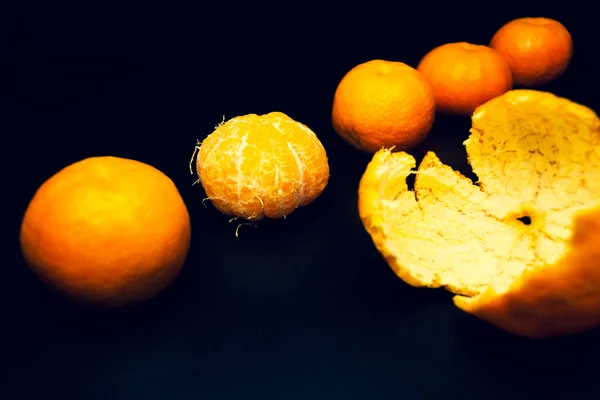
x=301, y=308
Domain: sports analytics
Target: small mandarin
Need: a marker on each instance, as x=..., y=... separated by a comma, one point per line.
x=383, y=103
x=106, y=232
x=463, y=76
x=538, y=50
x=257, y=166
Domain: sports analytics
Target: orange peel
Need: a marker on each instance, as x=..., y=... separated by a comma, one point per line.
x=536, y=155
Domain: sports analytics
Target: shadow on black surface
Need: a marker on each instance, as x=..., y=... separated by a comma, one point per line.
x=558, y=366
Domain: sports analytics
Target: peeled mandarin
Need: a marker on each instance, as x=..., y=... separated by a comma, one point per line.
x=257, y=166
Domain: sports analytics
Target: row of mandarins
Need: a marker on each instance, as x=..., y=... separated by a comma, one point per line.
x=383, y=103
x=110, y=231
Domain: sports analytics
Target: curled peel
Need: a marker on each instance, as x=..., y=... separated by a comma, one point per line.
x=536, y=156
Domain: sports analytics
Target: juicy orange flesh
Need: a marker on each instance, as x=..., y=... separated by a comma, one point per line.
x=255, y=166
x=535, y=155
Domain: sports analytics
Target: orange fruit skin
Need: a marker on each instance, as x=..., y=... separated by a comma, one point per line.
x=383, y=103
x=106, y=232
x=556, y=300
x=463, y=76
x=556, y=289
x=538, y=50
x=256, y=166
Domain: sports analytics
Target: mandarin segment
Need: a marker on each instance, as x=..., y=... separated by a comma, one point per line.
x=537, y=49
x=536, y=155
x=463, y=76
x=257, y=166
x=383, y=104
x=106, y=231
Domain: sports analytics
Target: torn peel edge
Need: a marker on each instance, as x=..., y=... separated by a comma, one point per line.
x=550, y=300
x=557, y=299
x=373, y=187
x=383, y=191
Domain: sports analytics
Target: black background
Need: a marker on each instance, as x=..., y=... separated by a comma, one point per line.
x=301, y=308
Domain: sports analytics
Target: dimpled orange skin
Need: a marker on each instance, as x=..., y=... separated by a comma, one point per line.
x=383, y=103
x=538, y=50
x=463, y=76
x=257, y=166
x=106, y=232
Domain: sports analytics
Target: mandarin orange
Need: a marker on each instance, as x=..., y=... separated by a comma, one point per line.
x=257, y=166
x=538, y=50
x=463, y=76
x=106, y=231
x=383, y=103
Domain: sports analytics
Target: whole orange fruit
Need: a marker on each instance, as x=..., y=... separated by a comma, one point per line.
x=464, y=75
x=256, y=166
x=538, y=49
x=106, y=231
x=383, y=103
